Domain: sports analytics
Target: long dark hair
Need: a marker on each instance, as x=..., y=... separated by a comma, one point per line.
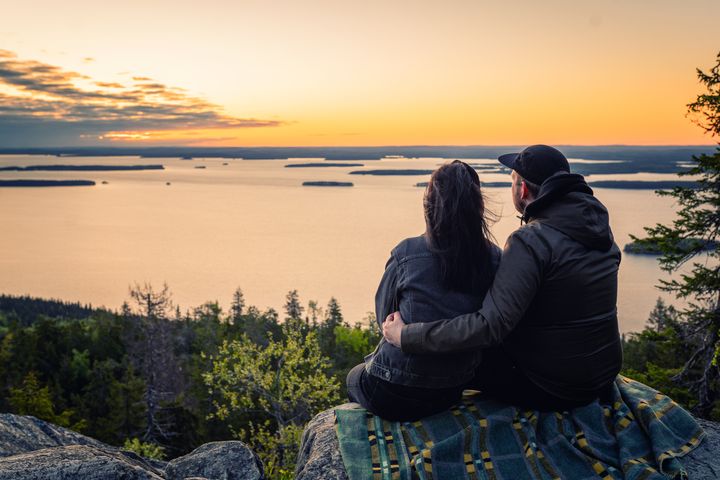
x=457, y=226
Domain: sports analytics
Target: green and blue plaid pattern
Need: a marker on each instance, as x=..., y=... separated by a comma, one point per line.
x=640, y=436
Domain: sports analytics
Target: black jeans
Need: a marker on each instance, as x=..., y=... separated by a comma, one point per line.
x=398, y=402
x=499, y=378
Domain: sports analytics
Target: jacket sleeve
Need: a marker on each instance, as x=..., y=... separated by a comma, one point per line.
x=517, y=280
x=387, y=292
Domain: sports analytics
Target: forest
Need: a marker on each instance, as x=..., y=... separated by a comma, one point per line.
x=160, y=382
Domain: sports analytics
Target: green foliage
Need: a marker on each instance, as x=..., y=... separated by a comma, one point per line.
x=144, y=449
x=33, y=399
x=352, y=344
x=277, y=448
x=284, y=383
x=97, y=371
x=656, y=355
x=693, y=235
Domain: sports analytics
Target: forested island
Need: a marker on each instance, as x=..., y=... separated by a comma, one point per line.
x=650, y=159
x=645, y=247
x=328, y=164
x=323, y=183
x=80, y=168
x=46, y=183
x=613, y=184
x=388, y=171
x=641, y=184
x=484, y=184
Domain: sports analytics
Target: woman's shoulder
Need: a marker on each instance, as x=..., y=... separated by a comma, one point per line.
x=411, y=247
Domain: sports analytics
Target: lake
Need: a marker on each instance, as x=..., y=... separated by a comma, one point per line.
x=251, y=224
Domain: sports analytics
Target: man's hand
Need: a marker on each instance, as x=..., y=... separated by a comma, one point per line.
x=392, y=328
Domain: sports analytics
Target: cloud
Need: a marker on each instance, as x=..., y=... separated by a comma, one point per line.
x=39, y=102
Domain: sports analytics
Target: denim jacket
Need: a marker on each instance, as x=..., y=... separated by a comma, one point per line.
x=412, y=285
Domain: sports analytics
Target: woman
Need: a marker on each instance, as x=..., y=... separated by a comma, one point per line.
x=440, y=274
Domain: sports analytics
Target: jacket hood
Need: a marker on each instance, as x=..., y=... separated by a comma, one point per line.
x=566, y=203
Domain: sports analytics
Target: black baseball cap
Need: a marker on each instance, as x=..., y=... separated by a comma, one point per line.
x=536, y=163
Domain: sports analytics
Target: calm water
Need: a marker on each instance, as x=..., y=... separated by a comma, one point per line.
x=250, y=224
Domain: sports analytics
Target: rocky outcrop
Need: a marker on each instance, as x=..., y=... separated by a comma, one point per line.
x=31, y=449
x=320, y=458
x=77, y=462
x=217, y=460
x=21, y=434
x=704, y=462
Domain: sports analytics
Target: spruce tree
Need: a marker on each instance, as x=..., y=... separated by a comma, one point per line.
x=693, y=236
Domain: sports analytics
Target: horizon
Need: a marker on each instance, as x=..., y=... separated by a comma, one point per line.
x=347, y=147
x=326, y=74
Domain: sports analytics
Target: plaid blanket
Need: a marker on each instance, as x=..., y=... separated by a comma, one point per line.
x=640, y=436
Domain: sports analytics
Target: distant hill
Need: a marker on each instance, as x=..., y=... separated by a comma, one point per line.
x=645, y=155
x=26, y=309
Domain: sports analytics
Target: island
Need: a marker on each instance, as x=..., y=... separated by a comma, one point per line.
x=633, y=159
x=642, y=185
x=639, y=247
x=483, y=184
x=490, y=168
x=327, y=164
x=80, y=168
x=391, y=172
x=496, y=184
x=327, y=184
x=46, y=183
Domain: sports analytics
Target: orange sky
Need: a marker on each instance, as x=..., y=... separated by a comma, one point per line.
x=334, y=72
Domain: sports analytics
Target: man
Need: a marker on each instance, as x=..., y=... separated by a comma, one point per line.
x=548, y=325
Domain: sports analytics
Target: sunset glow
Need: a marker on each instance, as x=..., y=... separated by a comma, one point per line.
x=322, y=72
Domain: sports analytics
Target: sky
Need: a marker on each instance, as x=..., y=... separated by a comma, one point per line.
x=349, y=73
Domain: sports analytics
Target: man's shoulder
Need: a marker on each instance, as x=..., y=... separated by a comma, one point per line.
x=536, y=230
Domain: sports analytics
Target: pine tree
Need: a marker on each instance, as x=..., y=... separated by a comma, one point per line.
x=293, y=307
x=237, y=306
x=333, y=314
x=694, y=236
x=156, y=357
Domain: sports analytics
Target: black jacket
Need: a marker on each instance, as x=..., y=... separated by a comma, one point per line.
x=552, y=305
x=411, y=284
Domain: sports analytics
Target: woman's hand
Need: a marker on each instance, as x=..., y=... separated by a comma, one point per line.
x=392, y=328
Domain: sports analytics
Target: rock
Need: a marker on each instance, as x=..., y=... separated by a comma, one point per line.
x=703, y=462
x=38, y=450
x=76, y=462
x=217, y=460
x=21, y=434
x=320, y=459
